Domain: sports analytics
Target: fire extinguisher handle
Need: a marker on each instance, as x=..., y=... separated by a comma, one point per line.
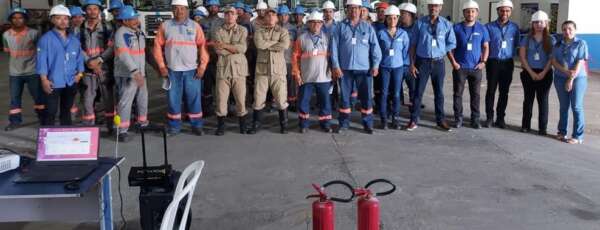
x=345, y=184
x=382, y=181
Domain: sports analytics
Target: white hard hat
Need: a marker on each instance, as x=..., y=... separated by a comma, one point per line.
x=202, y=9
x=407, y=6
x=435, y=2
x=470, y=5
x=354, y=2
x=505, y=3
x=60, y=10
x=179, y=3
x=392, y=10
x=261, y=6
x=539, y=16
x=315, y=16
x=328, y=5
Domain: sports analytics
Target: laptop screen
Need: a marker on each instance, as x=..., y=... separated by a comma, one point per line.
x=68, y=143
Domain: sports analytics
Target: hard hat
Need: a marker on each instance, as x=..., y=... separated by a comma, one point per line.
x=315, y=16
x=239, y=5
x=366, y=4
x=505, y=3
x=299, y=10
x=261, y=5
x=92, y=2
x=229, y=8
x=76, y=11
x=115, y=5
x=127, y=12
x=248, y=9
x=470, y=5
x=354, y=2
x=408, y=7
x=18, y=10
x=272, y=9
x=211, y=3
x=383, y=5
x=328, y=5
x=435, y=2
x=392, y=10
x=179, y=3
x=539, y=16
x=201, y=11
x=283, y=9
x=60, y=9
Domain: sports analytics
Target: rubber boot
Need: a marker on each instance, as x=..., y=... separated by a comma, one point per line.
x=242, y=120
x=283, y=120
x=220, y=126
x=256, y=117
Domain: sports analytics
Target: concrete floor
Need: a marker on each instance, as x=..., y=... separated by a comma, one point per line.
x=466, y=179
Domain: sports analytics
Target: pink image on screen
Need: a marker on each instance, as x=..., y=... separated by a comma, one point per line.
x=68, y=143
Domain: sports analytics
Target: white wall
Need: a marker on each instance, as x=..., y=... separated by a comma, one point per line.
x=583, y=12
x=484, y=8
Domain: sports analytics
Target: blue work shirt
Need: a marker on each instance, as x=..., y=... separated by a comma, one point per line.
x=498, y=34
x=427, y=35
x=58, y=58
x=570, y=54
x=468, y=56
x=536, y=56
x=327, y=29
x=393, y=49
x=354, y=48
x=411, y=31
x=379, y=26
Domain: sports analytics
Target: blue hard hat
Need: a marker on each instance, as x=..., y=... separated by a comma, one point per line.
x=299, y=10
x=239, y=5
x=248, y=9
x=17, y=10
x=366, y=4
x=76, y=11
x=115, y=4
x=212, y=3
x=199, y=13
x=127, y=12
x=92, y=2
x=283, y=9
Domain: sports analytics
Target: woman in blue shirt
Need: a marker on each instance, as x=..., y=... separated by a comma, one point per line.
x=394, y=47
x=535, y=50
x=569, y=58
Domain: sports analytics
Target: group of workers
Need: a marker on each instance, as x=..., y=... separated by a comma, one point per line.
x=203, y=58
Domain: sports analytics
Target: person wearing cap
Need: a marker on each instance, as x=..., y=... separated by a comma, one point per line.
x=181, y=55
x=355, y=58
x=59, y=63
x=199, y=14
x=239, y=9
x=365, y=11
x=19, y=42
x=96, y=36
x=113, y=8
x=230, y=44
x=468, y=60
x=212, y=22
x=261, y=12
x=283, y=14
x=535, y=51
x=329, y=22
x=130, y=71
x=309, y=68
x=299, y=18
x=380, y=10
x=408, y=15
x=569, y=58
x=271, y=41
x=394, y=43
x=77, y=18
x=504, y=38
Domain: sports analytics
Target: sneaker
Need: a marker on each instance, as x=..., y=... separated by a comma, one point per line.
x=525, y=130
x=197, y=131
x=411, y=126
x=342, y=129
x=500, y=124
x=488, y=123
x=368, y=130
x=475, y=124
x=303, y=130
x=172, y=133
x=11, y=127
x=124, y=137
x=327, y=129
x=444, y=126
x=458, y=123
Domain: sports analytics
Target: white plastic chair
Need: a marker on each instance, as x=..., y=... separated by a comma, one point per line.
x=185, y=187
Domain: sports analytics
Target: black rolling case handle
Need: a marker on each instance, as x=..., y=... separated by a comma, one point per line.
x=155, y=128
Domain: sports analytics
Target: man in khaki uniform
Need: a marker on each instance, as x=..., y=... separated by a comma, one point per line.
x=232, y=68
x=271, y=41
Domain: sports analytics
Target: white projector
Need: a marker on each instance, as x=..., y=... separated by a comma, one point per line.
x=8, y=161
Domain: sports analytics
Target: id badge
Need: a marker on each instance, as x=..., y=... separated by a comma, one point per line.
x=433, y=43
x=391, y=52
x=66, y=56
x=504, y=44
x=536, y=56
x=315, y=52
x=353, y=41
x=469, y=46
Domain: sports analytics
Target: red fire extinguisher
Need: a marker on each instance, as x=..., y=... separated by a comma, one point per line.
x=323, y=214
x=368, y=205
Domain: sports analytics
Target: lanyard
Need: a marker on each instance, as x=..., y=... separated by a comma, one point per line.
x=565, y=50
x=315, y=41
x=536, y=44
x=353, y=29
x=502, y=31
x=433, y=29
x=470, y=36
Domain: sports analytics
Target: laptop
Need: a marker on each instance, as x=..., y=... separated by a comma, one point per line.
x=63, y=154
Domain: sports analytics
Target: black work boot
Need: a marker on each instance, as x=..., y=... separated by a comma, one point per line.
x=242, y=120
x=220, y=126
x=256, y=116
x=283, y=120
